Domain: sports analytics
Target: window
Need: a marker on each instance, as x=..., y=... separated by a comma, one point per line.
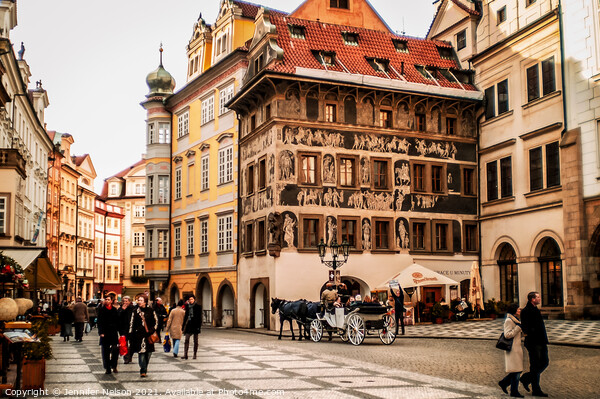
x=311, y=232
x=347, y=171
x=150, y=247
x=151, y=135
x=205, y=172
x=330, y=112
x=350, y=39
x=163, y=189
x=506, y=177
x=469, y=184
x=450, y=126
x=429, y=178
x=115, y=248
x=250, y=180
x=252, y=122
x=109, y=272
x=113, y=189
x=536, y=166
x=208, y=110
x=419, y=230
x=349, y=232
x=137, y=269
x=262, y=173
x=529, y=2
x=203, y=236
x=139, y=211
x=267, y=112
x=443, y=236
x=261, y=235
x=385, y=118
x=471, y=237
x=150, y=196
x=379, y=64
x=309, y=169
x=183, y=124
x=490, y=109
x=419, y=177
x=400, y=45
x=339, y=4
x=461, y=40
x=108, y=248
x=509, y=280
x=226, y=165
x=164, y=133
x=436, y=178
x=163, y=243
x=445, y=52
x=381, y=180
x=258, y=63
x=501, y=15
x=547, y=81
x=249, y=247
x=500, y=103
x=178, y=183
x=138, y=239
x=225, y=233
x=420, y=123
x=3, y=215
x=191, y=178
x=297, y=32
x=190, y=238
x=381, y=234
x=503, y=96
x=552, y=281
x=225, y=95
x=492, y=180
x=177, y=240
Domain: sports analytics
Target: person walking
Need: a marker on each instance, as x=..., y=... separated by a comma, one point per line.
x=536, y=342
x=124, y=319
x=142, y=324
x=66, y=319
x=161, y=314
x=398, y=308
x=513, y=359
x=108, y=329
x=175, y=325
x=81, y=315
x=192, y=325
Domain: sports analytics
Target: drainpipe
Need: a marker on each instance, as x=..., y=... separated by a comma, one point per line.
x=479, y=197
x=562, y=68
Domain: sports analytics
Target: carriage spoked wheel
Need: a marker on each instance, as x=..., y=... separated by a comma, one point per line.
x=386, y=334
x=356, y=329
x=316, y=330
x=343, y=335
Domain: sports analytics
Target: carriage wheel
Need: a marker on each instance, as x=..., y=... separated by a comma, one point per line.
x=356, y=329
x=386, y=334
x=343, y=335
x=316, y=330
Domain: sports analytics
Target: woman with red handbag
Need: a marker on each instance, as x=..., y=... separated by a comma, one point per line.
x=141, y=328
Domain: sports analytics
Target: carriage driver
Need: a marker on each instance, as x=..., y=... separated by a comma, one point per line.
x=328, y=297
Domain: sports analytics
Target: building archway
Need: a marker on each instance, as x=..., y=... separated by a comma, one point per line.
x=550, y=262
x=204, y=298
x=259, y=305
x=225, y=307
x=174, y=296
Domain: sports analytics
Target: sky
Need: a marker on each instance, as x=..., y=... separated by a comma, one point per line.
x=93, y=57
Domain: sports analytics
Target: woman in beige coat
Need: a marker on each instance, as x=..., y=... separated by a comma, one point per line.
x=513, y=359
x=174, y=325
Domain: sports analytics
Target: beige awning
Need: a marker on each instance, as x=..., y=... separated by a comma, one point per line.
x=28, y=258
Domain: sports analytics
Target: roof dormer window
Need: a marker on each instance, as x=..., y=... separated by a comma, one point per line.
x=379, y=64
x=297, y=32
x=339, y=4
x=401, y=45
x=325, y=58
x=350, y=39
x=445, y=52
x=423, y=71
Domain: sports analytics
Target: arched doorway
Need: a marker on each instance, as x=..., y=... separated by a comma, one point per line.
x=259, y=307
x=225, y=312
x=174, y=296
x=509, y=274
x=551, y=272
x=595, y=262
x=204, y=296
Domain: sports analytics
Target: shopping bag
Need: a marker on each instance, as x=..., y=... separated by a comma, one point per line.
x=88, y=328
x=122, y=345
x=167, y=343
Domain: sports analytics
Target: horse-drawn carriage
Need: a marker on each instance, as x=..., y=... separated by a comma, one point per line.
x=354, y=323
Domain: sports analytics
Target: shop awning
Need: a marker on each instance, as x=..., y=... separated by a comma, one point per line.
x=28, y=258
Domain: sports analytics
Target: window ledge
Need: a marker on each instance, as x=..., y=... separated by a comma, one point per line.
x=541, y=99
x=383, y=251
x=499, y=201
x=225, y=183
x=177, y=199
x=543, y=191
x=261, y=252
x=248, y=254
x=229, y=251
x=308, y=250
x=189, y=195
x=498, y=117
x=204, y=254
x=182, y=136
x=176, y=257
x=190, y=256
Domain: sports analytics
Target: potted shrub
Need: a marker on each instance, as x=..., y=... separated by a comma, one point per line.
x=446, y=313
x=35, y=355
x=437, y=313
x=491, y=308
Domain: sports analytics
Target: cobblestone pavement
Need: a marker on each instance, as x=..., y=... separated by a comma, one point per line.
x=232, y=361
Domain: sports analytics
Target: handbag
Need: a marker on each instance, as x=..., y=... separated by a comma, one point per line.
x=504, y=343
x=122, y=345
x=167, y=343
x=153, y=338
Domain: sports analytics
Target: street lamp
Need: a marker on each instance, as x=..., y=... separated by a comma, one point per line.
x=334, y=263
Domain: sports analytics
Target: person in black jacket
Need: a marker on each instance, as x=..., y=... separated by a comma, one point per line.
x=536, y=342
x=108, y=329
x=66, y=319
x=161, y=314
x=398, y=308
x=124, y=319
x=141, y=326
x=192, y=324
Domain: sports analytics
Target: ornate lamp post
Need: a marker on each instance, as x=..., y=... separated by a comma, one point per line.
x=334, y=263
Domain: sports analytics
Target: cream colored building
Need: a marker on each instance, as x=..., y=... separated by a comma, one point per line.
x=108, y=258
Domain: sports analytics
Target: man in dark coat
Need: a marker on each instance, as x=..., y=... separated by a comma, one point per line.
x=108, y=329
x=398, y=308
x=80, y=312
x=192, y=324
x=161, y=314
x=536, y=342
x=124, y=319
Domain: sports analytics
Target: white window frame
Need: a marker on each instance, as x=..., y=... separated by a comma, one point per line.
x=138, y=239
x=183, y=124
x=137, y=269
x=3, y=214
x=163, y=243
x=191, y=177
x=178, y=183
x=177, y=240
x=208, y=109
x=205, y=172
x=226, y=165
x=139, y=211
x=225, y=233
x=163, y=190
x=164, y=133
x=150, y=246
x=190, y=238
x=204, y=236
x=113, y=189
x=151, y=133
x=225, y=95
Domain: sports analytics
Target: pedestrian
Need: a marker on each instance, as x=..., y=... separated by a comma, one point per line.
x=108, y=329
x=66, y=319
x=80, y=312
x=175, y=325
x=536, y=342
x=124, y=319
x=192, y=324
x=142, y=324
x=161, y=314
x=513, y=359
x=398, y=308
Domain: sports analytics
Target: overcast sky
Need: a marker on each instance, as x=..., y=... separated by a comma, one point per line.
x=93, y=57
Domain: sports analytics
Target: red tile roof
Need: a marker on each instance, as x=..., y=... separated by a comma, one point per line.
x=104, y=193
x=78, y=159
x=249, y=10
x=466, y=8
x=459, y=4
x=371, y=44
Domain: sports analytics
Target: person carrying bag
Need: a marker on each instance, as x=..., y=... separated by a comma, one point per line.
x=513, y=357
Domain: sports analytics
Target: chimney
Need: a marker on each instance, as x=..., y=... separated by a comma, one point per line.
x=402, y=68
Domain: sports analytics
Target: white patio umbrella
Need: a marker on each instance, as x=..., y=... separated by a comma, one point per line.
x=475, y=293
x=416, y=275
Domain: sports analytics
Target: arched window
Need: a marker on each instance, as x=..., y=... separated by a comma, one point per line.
x=551, y=268
x=509, y=276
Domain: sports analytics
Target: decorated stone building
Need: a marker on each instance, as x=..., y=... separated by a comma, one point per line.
x=355, y=134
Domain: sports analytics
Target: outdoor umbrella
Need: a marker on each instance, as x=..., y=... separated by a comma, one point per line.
x=416, y=275
x=475, y=294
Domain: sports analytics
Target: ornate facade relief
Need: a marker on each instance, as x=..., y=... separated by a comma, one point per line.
x=441, y=149
x=332, y=198
x=256, y=146
x=366, y=234
x=290, y=224
x=423, y=201
x=365, y=171
x=286, y=165
x=310, y=196
x=330, y=229
x=328, y=169
x=402, y=238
